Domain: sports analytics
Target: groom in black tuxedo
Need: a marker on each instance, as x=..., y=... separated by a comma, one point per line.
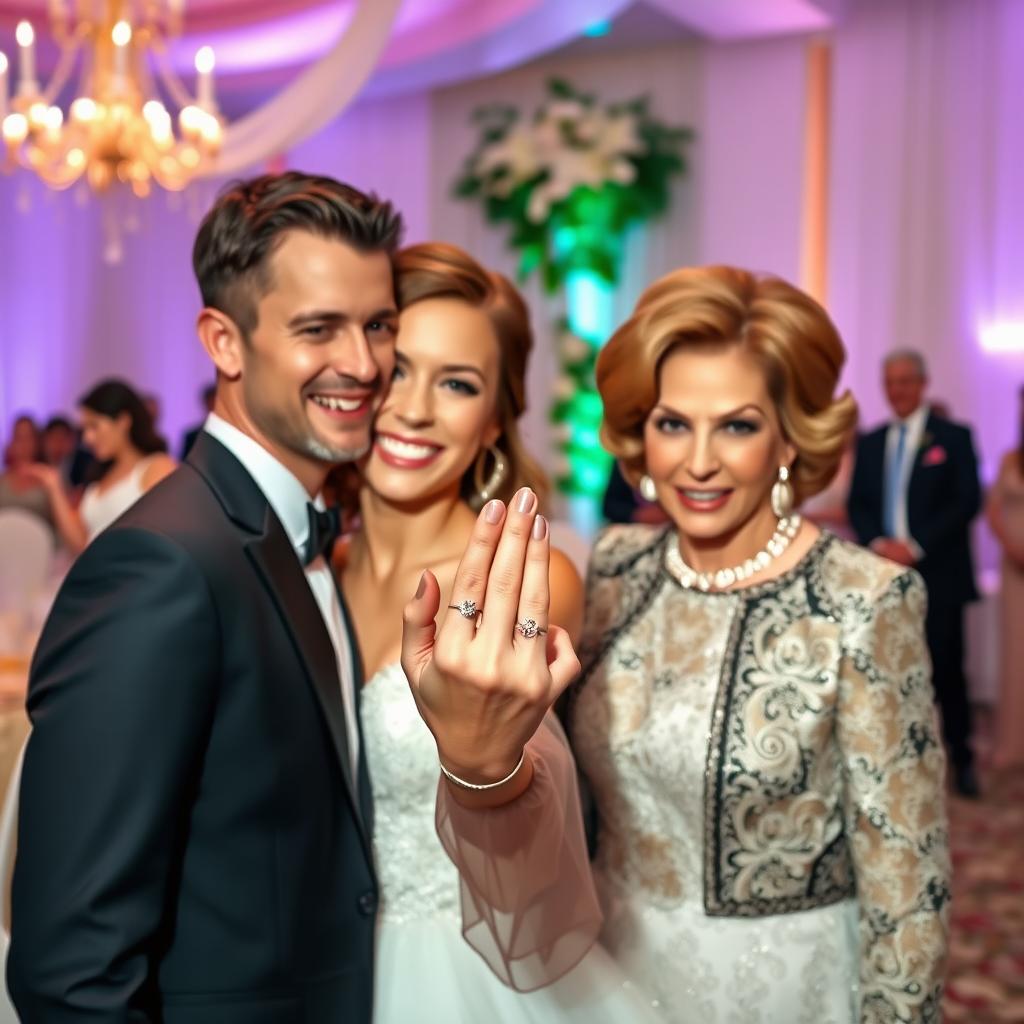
x=195, y=824
x=913, y=495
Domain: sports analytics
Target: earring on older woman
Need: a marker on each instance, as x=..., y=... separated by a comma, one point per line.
x=782, y=494
x=648, y=491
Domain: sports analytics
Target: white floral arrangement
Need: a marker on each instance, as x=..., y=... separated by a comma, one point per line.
x=576, y=170
x=570, y=181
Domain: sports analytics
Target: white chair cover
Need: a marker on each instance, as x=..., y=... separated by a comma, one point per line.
x=8, y=845
x=26, y=553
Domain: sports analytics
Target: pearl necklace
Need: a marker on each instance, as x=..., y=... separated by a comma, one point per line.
x=785, y=531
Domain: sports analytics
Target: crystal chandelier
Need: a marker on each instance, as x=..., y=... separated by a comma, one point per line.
x=117, y=129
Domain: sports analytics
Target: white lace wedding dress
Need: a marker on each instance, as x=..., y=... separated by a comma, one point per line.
x=425, y=970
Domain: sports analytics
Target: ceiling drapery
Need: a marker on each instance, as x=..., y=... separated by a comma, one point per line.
x=316, y=97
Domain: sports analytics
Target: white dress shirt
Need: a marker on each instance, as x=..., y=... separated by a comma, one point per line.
x=288, y=498
x=915, y=424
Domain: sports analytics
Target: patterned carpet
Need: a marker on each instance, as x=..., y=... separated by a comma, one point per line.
x=985, y=980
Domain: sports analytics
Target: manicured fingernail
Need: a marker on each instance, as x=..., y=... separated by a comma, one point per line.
x=540, y=528
x=526, y=500
x=492, y=512
x=422, y=588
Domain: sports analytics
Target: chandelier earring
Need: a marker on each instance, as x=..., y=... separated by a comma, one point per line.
x=647, y=489
x=782, y=495
x=485, y=489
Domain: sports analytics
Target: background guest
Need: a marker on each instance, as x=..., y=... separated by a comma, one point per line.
x=19, y=486
x=206, y=397
x=25, y=432
x=1005, y=512
x=914, y=493
x=117, y=428
x=118, y=431
x=62, y=449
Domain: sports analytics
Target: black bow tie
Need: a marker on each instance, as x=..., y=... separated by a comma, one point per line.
x=324, y=528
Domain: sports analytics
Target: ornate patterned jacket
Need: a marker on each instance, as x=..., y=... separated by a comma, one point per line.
x=824, y=776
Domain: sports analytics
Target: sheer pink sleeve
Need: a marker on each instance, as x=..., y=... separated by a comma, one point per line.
x=529, y=907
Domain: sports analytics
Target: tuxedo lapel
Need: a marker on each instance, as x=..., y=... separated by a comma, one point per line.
x=276, y=561
x=358, y=681
x=274, y=558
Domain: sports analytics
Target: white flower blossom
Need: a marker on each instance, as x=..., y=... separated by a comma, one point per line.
x=575, y=167
x=539, y=205
x=564, y=110
x=617, y=134
x=516, y=152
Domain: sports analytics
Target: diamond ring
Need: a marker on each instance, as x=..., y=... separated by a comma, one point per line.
x=467, y=609
x=529, y=628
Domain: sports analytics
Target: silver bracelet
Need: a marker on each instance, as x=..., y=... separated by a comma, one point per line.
x=477, y=787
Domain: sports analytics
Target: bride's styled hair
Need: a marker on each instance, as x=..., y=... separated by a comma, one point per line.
x=437, y=270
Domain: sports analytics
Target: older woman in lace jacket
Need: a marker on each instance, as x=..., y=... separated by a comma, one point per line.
x=754, y=714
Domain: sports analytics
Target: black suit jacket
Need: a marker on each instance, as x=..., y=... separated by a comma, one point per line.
x=189, y=439
x=943, y=497
x=192, y=847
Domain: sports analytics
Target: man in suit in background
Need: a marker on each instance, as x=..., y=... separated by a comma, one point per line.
x=914, y=493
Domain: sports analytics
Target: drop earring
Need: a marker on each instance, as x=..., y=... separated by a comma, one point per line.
x=782, y=495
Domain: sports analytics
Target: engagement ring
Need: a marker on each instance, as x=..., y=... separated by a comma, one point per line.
x=467, y=609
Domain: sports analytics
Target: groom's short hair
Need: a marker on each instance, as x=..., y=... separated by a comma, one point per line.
x=233, y=248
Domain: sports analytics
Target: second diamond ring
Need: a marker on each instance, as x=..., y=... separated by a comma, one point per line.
x=529, y=628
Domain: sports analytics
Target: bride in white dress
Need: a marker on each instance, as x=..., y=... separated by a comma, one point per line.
x=445, y=443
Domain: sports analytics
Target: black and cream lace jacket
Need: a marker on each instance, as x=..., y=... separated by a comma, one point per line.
x=823, y=774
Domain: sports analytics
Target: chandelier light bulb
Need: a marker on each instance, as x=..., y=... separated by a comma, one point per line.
x=210, y=130
x=83, y=109
x=205, y=60
x=191, y=121
x=15, y=129
x=26, y=37
x=54, y=118
x=204, y=82
x=154, y=110
x=3, y=63
x=121, y=33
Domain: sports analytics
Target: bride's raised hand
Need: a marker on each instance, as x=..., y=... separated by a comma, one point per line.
x=484, y=679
